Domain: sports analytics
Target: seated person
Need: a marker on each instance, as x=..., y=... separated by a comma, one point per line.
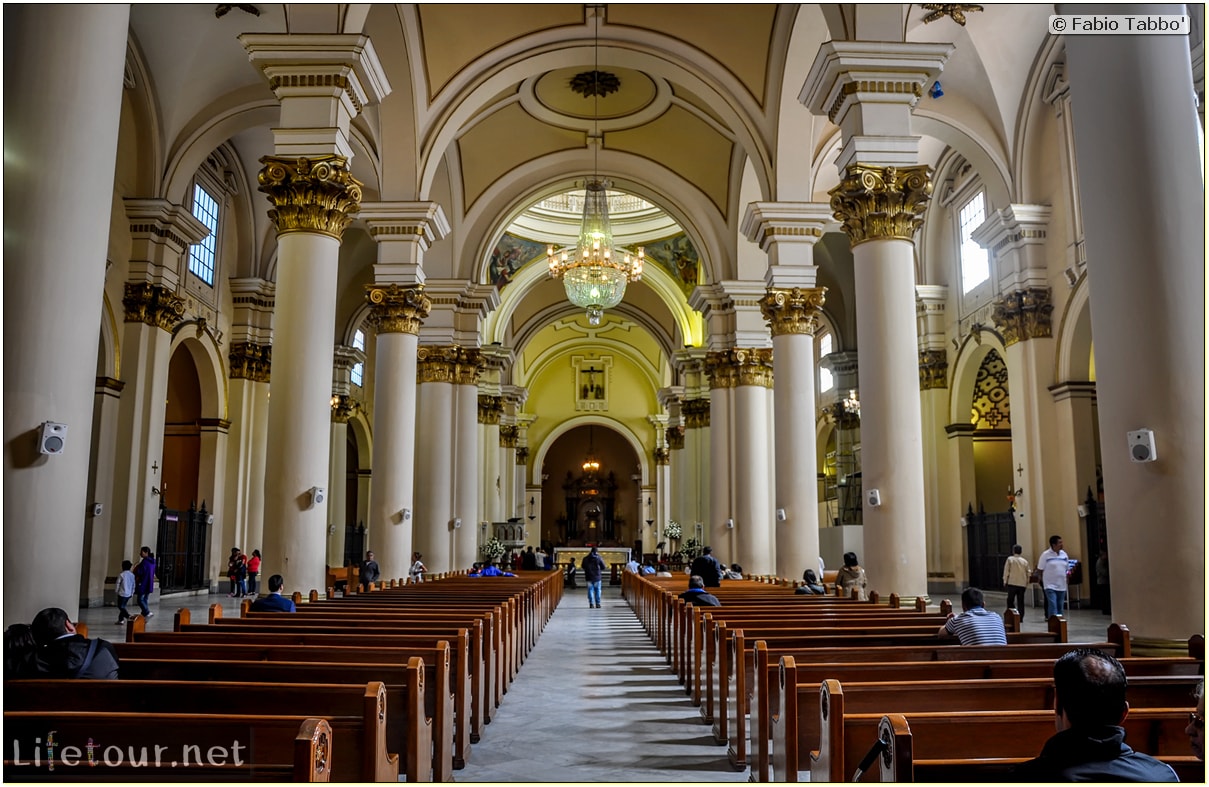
x=62, y=653
x=974, y=626
x=20, y=652
x=475, y=569
x=648, y=568
x=812, y=587
x=734, y=572
x=490, y=570
x=696, y=594
x=632, y=565
x=274, y=602
x=1089, y=706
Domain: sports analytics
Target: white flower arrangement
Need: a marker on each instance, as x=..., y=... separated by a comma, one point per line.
x=494, y=548
x=672, y=529
x=692, y=548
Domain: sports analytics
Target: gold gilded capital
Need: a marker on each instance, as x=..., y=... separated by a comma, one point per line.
x=740, y=366
x=310, y=195
x=663, y=455
x=344, y=407
x=251, y=361
x=1023, y=315
x=508, y=435
x=152, y=304
x=933, y=370
x=448, y=364
x=395, y=309
x=880, y=203
x=695, y=412
x=794, y=311
x=675, y=438
x=490, y=409
x=522, y=454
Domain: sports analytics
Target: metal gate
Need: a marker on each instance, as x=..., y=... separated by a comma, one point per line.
x=354, y=544
x=180, y=548
x=989, y=541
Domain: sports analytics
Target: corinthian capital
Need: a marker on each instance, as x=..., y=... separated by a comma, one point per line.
x=151, y=304
x=395, y=309
x=448, y=364
x=310, y=194
x=740, y=366
x=879, y=203
x=793, y=311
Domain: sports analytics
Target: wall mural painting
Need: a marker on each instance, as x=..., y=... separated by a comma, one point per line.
x=509, y=256
x=677, y=256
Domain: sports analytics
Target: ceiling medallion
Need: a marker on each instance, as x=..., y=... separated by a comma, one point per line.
x=956, y=11
x=595, y=83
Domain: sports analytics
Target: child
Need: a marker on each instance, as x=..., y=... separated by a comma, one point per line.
x=125, y=588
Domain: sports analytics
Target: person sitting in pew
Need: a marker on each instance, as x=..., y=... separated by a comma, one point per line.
x=812, y=587
x=974, y=626
x=1196, y=724
x=696, y=594
x=274, y=602
x=490, y=570
x=62, y=653
x=1089, y=706
x=20, y=652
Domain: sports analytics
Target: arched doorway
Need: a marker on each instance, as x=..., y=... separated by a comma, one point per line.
x=184, y=521
x=591, y=490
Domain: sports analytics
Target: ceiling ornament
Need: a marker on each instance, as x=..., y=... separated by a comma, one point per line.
x=956, y=11
x=595, y=84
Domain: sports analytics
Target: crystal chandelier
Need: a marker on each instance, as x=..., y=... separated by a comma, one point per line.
x=593, y=276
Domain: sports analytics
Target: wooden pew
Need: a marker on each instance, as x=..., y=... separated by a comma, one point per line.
x=248, y=699
x=848, y=728
x=756, y=675
x=899, y=763
x=190, y=747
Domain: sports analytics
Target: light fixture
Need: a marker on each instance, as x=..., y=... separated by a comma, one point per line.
x=935, y=91
x=852, y=403
x=649, y=522
x=593, y=276
x=590, y=465
x=532, y=503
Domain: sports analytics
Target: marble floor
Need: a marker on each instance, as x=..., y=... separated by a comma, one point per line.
x=594, y=702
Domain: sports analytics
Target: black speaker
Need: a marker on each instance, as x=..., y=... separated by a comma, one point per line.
x=51, y=438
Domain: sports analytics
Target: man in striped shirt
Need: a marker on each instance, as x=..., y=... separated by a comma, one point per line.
x=974, y=626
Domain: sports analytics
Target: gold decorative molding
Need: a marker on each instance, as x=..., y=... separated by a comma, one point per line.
x=111, y=384
x=955, y=11
x=675, y=438
x=509, y=433
x=395, y=309
x=310, y=195
x=522, y=454
x=696, y=413
x=880, y=203
x=1023, y=315
x=251, y=361
x=490, y=409
x=663, y=455
x=344, y=408
x=794, y=311
x=448, y=364
x=152, y=304
x=933, y=370
x=872, y=86
x=740, y=366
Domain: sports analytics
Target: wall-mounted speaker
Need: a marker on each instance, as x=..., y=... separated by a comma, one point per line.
x=51, y=438
x=781, y=516
x=874, y=497
x=730, y=524
x=318, y=495
x=1141, y=445
x=457, y=522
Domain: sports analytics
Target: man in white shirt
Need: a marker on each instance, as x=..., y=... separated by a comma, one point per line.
x=1054, y=565
x=632, y=566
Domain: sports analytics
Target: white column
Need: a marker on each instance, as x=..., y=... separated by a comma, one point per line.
x=1144, y=217
x=434, y=472
x=720, y=474
x=62, y=99
x=211, y=488
x=489, y=410
x=465, y=468
x=313, y=198
x=754, y=547
x=941, y=504
x=98, y=528
x=337, y=490
x=787, y=232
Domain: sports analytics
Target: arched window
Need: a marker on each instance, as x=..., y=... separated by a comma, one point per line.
x=975, y=265
x=357, y=375
x=824, y=345
x=202, y=255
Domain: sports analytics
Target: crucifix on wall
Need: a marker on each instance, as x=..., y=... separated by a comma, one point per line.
x=591, y=382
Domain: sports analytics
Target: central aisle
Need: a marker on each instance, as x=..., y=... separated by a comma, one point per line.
x=595, y=702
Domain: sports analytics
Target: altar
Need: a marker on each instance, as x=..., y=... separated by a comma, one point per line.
x=610, y=555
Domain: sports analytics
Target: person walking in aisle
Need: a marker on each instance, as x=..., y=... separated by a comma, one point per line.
x=593, y=567
x=1054, y=565
x=125, y=590
x=144, y=579
x=1015, y=579
x=253, y=571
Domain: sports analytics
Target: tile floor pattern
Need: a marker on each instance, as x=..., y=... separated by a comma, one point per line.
x=594, y=702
